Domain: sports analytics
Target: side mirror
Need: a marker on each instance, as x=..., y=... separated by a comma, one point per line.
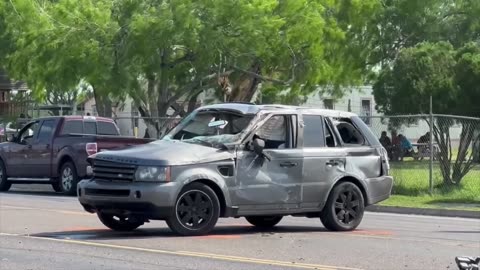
x=258, y=146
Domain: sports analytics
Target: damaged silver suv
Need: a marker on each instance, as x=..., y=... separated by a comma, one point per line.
x=261, y=162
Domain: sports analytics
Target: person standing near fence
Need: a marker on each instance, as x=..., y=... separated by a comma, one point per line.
x=386, y=143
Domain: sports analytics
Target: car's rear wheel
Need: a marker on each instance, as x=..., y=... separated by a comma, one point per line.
x=196, y=211
x=67, y=182
x=4, y=184
x=264, y=221
x=344, y=208
x=120, y=223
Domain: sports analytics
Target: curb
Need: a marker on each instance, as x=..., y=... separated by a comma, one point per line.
x=424, y=211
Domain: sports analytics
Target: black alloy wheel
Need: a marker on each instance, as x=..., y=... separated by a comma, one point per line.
x=344, y=209
x=196, y=211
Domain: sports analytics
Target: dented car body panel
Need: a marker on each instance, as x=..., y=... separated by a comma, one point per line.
x=307, y=153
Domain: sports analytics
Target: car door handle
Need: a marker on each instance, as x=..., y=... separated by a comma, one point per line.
x=333, y=162
x=29, y=146
x=288, y=164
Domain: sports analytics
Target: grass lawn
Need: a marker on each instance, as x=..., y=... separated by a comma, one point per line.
x=411, y=188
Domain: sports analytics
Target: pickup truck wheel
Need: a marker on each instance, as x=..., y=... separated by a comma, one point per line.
x=264, y=221
x=196, y=211
x=344, y=208
x=119, y=223
x=4, y=184
x=67, y=183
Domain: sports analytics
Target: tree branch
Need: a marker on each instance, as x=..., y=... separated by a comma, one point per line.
x=194, y=85
x=255, y=75
x=186, y=58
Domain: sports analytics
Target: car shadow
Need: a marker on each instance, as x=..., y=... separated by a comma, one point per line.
x=38, y=193
x=222, y=231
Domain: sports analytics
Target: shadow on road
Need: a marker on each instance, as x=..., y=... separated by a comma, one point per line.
x=37, y=193
x=165, y=232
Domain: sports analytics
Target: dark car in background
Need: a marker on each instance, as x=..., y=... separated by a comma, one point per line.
x=54, y=151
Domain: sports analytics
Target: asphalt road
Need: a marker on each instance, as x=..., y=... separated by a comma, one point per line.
x=42, y=230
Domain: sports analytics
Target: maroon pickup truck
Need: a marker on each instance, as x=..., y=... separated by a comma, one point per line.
x=54, y=151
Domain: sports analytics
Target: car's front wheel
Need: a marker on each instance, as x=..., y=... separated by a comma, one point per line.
x=4, y=184
x=196, y=211
x=120, y=223
x=264, y=221
x=344, y=208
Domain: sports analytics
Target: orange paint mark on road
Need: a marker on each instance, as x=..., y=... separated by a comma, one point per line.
x=82, y=229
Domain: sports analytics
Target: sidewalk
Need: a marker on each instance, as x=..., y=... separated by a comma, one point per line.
x=425, y=211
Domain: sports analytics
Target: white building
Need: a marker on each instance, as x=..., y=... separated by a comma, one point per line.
x=360, y=100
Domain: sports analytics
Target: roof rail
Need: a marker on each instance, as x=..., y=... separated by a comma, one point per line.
x=240, y=102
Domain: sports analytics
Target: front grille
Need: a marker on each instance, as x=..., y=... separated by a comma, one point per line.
x=107, y=192
x=113, y=171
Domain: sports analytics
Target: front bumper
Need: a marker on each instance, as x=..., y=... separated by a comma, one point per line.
x=150, y=200
x=378, y=189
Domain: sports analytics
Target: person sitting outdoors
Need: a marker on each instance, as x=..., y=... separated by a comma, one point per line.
x=423, y=148
x=396, y=148
x=406, y=148
x=386, y=143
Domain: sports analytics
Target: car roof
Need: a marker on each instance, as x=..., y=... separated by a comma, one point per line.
x=77, y=117
x=249, y=108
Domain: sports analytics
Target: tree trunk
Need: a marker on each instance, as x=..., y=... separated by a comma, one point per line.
x=103, y=104
x=441, y=132
x=246, y=86
x=463, y=163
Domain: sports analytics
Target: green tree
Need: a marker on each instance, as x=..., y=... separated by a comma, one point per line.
x=164, y=53
x=451, y=77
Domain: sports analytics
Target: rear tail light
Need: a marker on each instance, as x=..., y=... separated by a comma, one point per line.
x=91, y=148
x=385, y=159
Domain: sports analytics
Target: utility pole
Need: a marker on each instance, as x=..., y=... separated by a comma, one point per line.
x=431, y=146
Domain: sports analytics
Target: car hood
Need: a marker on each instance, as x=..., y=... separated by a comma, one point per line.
x=165, y=153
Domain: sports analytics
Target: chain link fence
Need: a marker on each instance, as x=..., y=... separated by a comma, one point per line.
x=432, y=154
x=425, y=159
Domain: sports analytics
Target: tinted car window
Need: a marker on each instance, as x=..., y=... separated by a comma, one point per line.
x=72, y=126
x=313, y=135
x=90, y=127
x=106, y=128
x=46, y=131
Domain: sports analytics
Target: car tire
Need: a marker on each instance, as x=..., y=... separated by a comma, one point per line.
x=264, y=222
x=4, y=184
x=119, y=223
x=344, y=208
x=68, y=179
x=196, y=211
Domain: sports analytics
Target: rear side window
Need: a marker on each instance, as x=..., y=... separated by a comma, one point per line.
x=46, y=131
x=313, y=135
x=90, y=127
x=73, y=126
x=106, y=128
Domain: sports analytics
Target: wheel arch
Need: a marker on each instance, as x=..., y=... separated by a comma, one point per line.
x=218, y=191
x=355, y=181
x=64, y=159
x=2, y=160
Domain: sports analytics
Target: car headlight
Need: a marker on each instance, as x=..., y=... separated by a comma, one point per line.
x=152, y=174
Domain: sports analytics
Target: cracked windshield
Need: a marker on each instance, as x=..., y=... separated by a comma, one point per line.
x=239, y=134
